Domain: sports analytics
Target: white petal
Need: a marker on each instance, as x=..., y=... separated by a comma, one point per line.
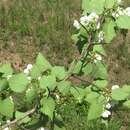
x=108, y=105
x=76, y=24
x=29, y=66
x=115, y=87
x=26, y=71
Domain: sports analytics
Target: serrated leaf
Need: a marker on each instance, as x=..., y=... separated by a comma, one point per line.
x=87, y=69
x=59, y=72
x=119, y=94
x=123, y=22
x=99, y=49
x=48, y=106
x=42, y=63
x=35, y=72
x=21, y=115
x=3, y=84
x=30, y=95
x=95, y=111
x=101, y=84
x=48, y=82
x=18, y=82
x=109, y=4
x=6, y=70
x=99, y=71
x=109, y=31
x=64, y=87
x=77, y=68
x=92, y=97
x=7, y=107
x=94, y=6
x=78, y=93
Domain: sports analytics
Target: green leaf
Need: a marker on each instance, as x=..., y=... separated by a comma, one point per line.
x=126, y=88
x=18, y=82
x=101, y=84
x=42, y=63
x=99, y=49
x=7, y=107
x=6, y=70
x=77, y=68
x=119, y=94
x=109, y=4
x=64, y=87
x=35, y=72
x=31, y=95
x=48, y=106
x=85, y=4
x=21, y=115
x=87, y=69
x=59, y=72
x=127, y=104
x=109, y=31
x=3, y=84
x=99, y=71
x=48, y=82
x=78, y=93
x=94, y=6
x=92, y=97
x=123, y=22
x=95, y=111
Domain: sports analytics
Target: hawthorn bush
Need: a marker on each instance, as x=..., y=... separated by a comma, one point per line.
x=30, y=99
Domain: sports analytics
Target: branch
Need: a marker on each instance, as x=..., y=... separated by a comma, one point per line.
x=85, y=81
x=17, y=120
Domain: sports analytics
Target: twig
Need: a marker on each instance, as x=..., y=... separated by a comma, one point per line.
x=85, y=81
x=17, y=120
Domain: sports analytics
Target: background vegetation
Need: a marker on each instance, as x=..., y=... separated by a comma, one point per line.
x=30, y=26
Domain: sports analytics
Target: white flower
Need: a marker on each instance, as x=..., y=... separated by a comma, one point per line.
x=8, y=121
x=57, y=96
x=29, y=78
x=106, y=114
x=97, y=58
x=39, y=78
x=84, y=20
x=8, y=77
x=93, y=16
x=100, y=36
x=115, y=87
x=120, y=11
x=76, y=24
x=127, y=11
x=7, y=128
x=42, y=128
x=108, y=105
x=11, y=99
x=29, y=66
x=26, y=71
x=119, y=1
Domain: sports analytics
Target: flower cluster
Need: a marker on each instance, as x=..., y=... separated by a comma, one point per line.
x=108, y=106
x=100, y=36
x=27, y=70
x=120, y=11
x=86, y=20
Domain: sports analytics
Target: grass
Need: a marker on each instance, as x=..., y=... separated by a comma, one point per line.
x=30, y=26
